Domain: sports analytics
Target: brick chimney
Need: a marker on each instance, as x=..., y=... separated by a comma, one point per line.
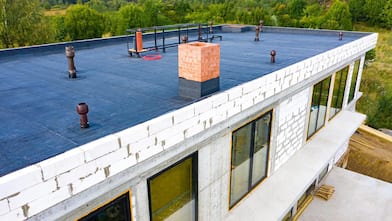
x=198, y=69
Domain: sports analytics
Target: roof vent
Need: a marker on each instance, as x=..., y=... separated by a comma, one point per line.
x=273, y=54
x=82, y=109
x=340, y=36
x=198, y=69
x=70, y=53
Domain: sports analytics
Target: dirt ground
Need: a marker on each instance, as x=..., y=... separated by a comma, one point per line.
x=370, y=155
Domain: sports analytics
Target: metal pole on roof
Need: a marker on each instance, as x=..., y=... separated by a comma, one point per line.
x=155, y=38
x=163, y=39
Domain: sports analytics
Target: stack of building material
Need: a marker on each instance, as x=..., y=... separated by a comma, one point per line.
x=325, y=192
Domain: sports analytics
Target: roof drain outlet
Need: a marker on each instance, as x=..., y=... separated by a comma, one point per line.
x=273, y=54
x=82, y=109
x=70, y=53
x=198, y=69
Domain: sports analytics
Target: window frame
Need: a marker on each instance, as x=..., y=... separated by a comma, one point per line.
x=344, y=71
x=127, y=194
x=308, y=136
x=251, y=187
x=195, y=170
x=353, y=86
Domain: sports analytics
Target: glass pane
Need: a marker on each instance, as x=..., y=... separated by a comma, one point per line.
x=338, y=92
x=260, y=151
x=116, y=210
x=171, y=193
x=314, y=109
x=240, y=163
x=354, y=81
x=323, y=102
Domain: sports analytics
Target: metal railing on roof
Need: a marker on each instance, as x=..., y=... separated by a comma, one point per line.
x=192, y=31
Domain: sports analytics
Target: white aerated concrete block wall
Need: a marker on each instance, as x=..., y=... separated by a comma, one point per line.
x=292, y=118
x=87, y=165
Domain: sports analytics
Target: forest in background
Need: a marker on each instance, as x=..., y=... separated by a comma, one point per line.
x=32, y=22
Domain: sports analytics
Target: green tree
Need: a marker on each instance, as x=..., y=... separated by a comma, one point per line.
x=82, y=22
x=312, y=16
x=374, y=10
x=338, y=16
x=130, y=16
x=387, y=14
x=22, y=23
x=357, y=10
x=296, y=8
x=98, y=5
x=59, y=31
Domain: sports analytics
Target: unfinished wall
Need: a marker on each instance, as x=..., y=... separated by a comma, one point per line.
x=291, y=126
x=36, y=188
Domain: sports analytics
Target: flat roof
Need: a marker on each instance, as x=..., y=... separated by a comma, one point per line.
x=38, y=101
x=356, y=197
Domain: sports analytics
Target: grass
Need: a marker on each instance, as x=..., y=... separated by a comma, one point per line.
x=55, y=12
x=376, y=83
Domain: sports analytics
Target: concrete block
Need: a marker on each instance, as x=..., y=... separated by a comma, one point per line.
x=172, y=140
x=142, y=145
x=187, y=124
x=132, y=134
x=203, y=106
x=14, y=215
x=247, y=101
x=160, y=123
x=83, y=183
x=193, y=130
x=184, y=113
x=4, y=207
x=80, y=172
x=111, y=158
x=19, y=180
x=219, y=99
x=233, y=110
x=100, y=147
x=47, y=201
x=250, y=86
x=32, y=193
x=219, y=115
x=62, y=163
x=148, y=152
x=260, y=97
x=234, y=93
x=122, y=165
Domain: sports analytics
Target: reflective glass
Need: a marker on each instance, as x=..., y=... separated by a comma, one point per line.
x=172, y=194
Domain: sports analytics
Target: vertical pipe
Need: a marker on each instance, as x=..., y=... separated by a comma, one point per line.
x=257, y=33
x=199, y=29
x=155, y=38
x=179, y=35
x=70, y=54
x=163, y=39
x=139, y=41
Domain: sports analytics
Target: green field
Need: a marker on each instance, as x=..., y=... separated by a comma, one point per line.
x=376, y=83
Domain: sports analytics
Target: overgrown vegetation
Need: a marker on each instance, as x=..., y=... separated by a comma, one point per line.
x=29, y=22
x=376, y=83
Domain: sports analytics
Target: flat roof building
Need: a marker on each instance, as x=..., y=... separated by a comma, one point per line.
x=253, y=143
